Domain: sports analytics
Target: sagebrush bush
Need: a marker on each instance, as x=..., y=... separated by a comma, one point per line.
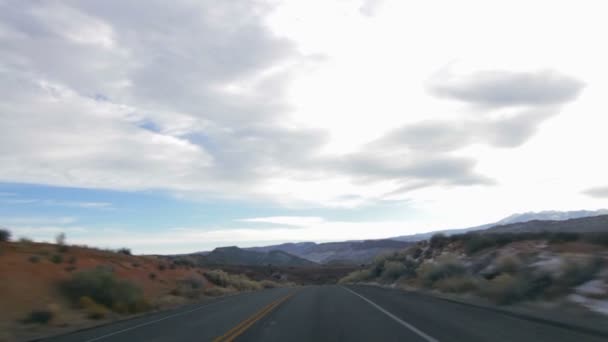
x=269, y=284
x=57, y=259
x=393, y=270
x=508, y=289
x=217, y=291
x=125, y=251
x=39, y=317
x=236, y=281
x=575, y=272
x=457, y=284
x=34, y=259
x=439, y=240
x=356, y=277
x=429, y=273
x=93, y=309
x=104, y=288
x=508, y=264
x=5, y=235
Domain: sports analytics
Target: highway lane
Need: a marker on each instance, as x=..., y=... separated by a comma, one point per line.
x=336, y=314
x=331, y=313
x=198, y=323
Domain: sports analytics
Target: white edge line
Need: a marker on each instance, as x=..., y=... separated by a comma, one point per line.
x=155, y=321
x=397, y=319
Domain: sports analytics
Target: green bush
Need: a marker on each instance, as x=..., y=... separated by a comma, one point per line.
x=431, y=273
x=393, y=270
x=457, y=284
x=125, y=251
x=576, y=272
x=93, y=309
x=269, y=284
x=34, y=259
x=217, y=291
x=439, y=240
x=356, y=277
x=508, y=289
x=236, y=281
x=39, y=317
x=57, y=259
x=5, y=235
x=103, y=288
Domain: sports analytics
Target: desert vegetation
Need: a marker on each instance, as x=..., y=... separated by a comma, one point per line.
x=502, y=268
x=54, y=287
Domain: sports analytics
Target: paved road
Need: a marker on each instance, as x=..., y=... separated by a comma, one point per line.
x=330, y=313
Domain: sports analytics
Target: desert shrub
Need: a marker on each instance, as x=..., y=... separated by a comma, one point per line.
x=162, y=267
x=103, y=288
x=93, y=309
x=507, y=288
x=25, y=240
x=218, y=277
x=57, y=259
x=125, y=251
x=457, y=284
x=269, y=284
x=439, y=240
x=429, y=273
x=152, y=275
x=236, y=281
x=192, y=283
x=5, y=235
x=39, y=317
x=72, y=260
x=70, y=268
x=184, y=262
x=597, y=238
x=576, y=272
x=416, y=252
x=356, y=277
x=508, y=264
x=393, y=270
x=217, y=291
x=503, y=289
x=34, y=259
x=561, y=237
x=61, y=244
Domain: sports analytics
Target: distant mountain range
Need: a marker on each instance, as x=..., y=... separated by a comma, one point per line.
x=359, y=252
x=347, y=252
x=591, y=224
x=515, y=218
x=238, y=256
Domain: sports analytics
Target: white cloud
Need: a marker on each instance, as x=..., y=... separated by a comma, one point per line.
x=297, y=221
x=309, y=102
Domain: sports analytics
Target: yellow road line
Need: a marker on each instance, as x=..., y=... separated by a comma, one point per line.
x=244, y=325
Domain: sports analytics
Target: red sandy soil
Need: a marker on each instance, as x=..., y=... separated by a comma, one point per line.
x=26, y=286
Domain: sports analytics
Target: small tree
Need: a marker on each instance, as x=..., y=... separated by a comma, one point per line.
x=5, y=235
x=60, y=240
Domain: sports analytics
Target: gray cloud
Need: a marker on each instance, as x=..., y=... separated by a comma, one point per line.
x=506, y=88
x=598, y=192
x=370, y=7
x=189, y=97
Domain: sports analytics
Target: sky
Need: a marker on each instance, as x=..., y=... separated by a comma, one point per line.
x=175, y=127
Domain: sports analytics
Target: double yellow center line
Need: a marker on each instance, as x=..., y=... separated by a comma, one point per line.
x=244, y=325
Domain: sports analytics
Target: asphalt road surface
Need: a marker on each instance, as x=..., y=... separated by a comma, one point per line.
x=330, y=313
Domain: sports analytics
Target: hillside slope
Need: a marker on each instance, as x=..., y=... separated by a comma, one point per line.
x=238, y=256
x=594, y=224
x=348, y=252
x=512, y=219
